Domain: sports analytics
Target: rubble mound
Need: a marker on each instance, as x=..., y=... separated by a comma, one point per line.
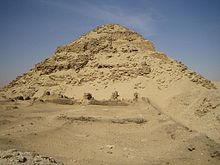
x=108, y=54
x=15, y=157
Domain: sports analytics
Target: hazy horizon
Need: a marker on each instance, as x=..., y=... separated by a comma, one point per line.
x=188, y=31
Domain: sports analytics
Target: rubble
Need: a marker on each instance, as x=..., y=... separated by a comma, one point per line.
x=15, y=157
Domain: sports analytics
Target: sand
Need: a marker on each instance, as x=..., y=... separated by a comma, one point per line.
x=110, y=97
x=96, y=134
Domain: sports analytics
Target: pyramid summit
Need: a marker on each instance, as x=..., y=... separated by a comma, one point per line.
x=105, y=38
x=101, y=61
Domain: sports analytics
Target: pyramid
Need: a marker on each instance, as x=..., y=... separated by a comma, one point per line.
x=110, y=94
x=106, y=59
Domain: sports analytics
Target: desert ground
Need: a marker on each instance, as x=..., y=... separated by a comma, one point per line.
x=102, y=134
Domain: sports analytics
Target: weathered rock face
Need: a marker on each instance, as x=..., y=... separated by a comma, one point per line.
x=105, y=40
x=109, y=53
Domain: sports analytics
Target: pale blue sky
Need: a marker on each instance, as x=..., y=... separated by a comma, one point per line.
x=186, y=30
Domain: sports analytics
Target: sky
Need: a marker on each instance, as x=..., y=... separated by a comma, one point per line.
x=186, y=30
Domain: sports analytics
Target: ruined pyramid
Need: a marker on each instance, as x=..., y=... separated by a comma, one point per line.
x=109, y=58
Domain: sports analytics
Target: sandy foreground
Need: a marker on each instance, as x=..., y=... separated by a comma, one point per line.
x=92, y=134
